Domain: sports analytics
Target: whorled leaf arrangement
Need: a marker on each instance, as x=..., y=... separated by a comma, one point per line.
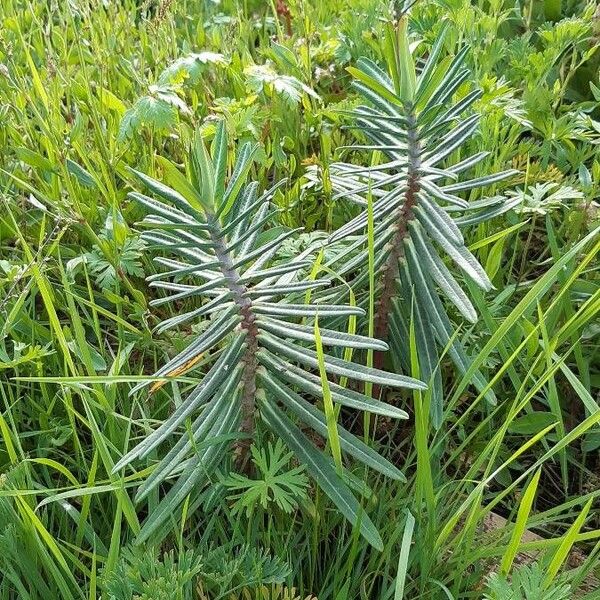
x=259, y=336
x=413, y=123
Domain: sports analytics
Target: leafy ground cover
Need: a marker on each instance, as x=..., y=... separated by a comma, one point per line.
x=299, y=299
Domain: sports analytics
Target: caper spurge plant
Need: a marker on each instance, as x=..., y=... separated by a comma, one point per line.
x=412, y=121
x=258, y=335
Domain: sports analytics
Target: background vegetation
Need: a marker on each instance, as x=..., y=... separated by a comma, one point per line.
x=91, y=87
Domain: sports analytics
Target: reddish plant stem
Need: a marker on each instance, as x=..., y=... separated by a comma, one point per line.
x=284, y=11
x=391, y=269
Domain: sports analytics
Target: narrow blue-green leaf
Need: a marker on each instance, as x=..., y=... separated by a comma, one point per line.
x=322, y=471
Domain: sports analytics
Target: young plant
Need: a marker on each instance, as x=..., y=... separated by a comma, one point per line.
x=258, y=336
x=526, y=583
x=276, y=486
x=141, y=574
x=413, y=122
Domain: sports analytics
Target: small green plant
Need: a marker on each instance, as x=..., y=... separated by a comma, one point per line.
x=125, y=249
x=157, y=111
x=525, y=583
x=276, y=485
x=264, y=79
x=140, y=574
x=234, y=571
x=543, y=198
x=188, y=70
x=143, y=575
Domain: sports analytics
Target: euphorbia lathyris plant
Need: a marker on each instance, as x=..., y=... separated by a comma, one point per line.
x=412, y=121
x=264, y=342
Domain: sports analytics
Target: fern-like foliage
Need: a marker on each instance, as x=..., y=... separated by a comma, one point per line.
x=226, y=570
x=526, y=583
x=141, y=574
x=258, y=338
x=413, y=123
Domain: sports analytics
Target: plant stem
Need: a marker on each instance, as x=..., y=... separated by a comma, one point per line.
x=238, y=290
x=390, y=271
